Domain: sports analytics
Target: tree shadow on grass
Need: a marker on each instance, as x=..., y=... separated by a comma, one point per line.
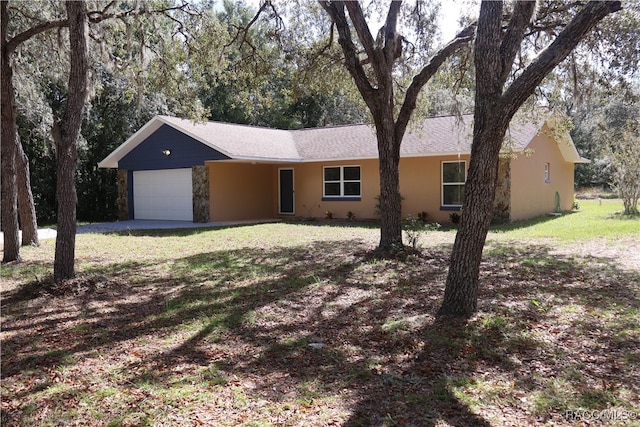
x=342, y=337
x=198, y=286
x=505, y=360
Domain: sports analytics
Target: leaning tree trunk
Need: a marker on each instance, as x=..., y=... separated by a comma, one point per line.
x=480, y=191
x=26, y=206
x=65, y=134
x=9, y=210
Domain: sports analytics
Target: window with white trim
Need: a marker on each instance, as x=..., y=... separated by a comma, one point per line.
x=547, y=172
x=341, y=181
x=454, y=174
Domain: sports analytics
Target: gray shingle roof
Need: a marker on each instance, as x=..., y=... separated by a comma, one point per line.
x=240, y=141
x=437, y=136
x=341, y=142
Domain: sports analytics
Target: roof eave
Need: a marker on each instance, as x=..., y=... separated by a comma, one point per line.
x=567, y=147
x=270, y=160
x=402, y=156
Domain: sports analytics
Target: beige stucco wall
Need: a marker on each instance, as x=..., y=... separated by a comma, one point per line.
x=530, y=194
x=420, y=186
x=241, y=191
x=309, y=186
x=246, y=191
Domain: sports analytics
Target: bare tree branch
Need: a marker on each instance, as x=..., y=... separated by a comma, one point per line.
x=392, y=42
x=522, y=13
x=557, y=51
x=375, y=52
x=242, y=32
x=22, y=37
x=336, y=12
x=329, y=43
x=362, y=28
x=93, y=16
x=96, y=17
x=418, y=82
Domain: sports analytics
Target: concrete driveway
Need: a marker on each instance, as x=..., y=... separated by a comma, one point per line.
x=140, y=224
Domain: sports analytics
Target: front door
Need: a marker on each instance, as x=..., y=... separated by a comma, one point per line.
x=286, y=191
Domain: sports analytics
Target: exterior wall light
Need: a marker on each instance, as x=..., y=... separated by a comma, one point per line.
x=166, y=152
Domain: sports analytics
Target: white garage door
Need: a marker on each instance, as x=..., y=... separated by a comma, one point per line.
x=163, y=194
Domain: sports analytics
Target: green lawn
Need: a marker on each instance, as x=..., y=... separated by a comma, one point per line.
x=594, y=219
x=299, y=325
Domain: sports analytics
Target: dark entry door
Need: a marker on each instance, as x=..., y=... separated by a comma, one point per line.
x=286, y=191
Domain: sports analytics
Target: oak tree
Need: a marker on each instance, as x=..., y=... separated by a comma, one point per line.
x=499, y=95
x=9, y=137
x=373, y=64
x=66, y=130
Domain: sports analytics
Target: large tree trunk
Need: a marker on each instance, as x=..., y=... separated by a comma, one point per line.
x=461, y=299
x=26, y=206
x=390, y=197
x=66, y=158
x=9, y=210
x=65, y=134
x=480, y=190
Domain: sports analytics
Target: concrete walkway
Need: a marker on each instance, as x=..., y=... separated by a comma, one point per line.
x=140, y=224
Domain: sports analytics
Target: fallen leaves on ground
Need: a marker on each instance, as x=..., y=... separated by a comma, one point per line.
x=322, y=333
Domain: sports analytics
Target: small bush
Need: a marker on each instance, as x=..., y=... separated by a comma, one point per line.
x=623, y=150
x=328, y=214
x=576, y=203
x=423, y=216
x=455, y=218
x=413, y=229
x=351, y=216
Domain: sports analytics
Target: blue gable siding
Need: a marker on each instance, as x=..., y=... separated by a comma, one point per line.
x=185, y=152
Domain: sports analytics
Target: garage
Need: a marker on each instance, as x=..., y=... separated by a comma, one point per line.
x=164, y=194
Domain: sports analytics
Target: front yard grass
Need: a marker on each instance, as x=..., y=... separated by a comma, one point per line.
x=298, y=325
x=595, y=219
